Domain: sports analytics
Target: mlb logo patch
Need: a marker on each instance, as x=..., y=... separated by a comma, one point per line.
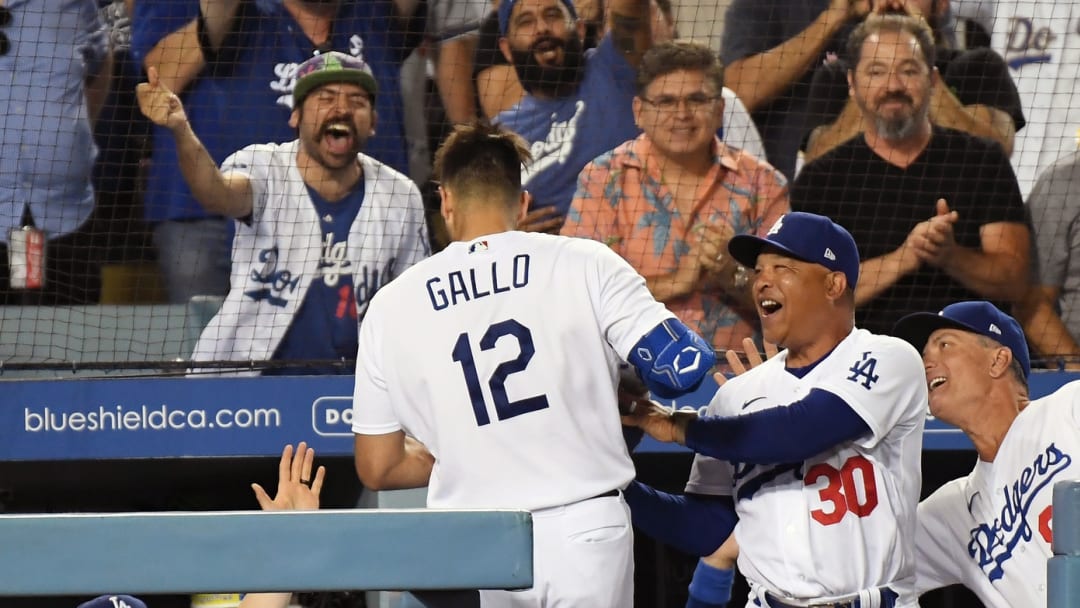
x=478, y=246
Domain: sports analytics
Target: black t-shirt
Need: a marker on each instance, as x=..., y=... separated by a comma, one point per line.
x=978, y=76
x=880, y=204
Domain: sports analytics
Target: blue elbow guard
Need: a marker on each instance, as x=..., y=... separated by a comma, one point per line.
x=672, y=359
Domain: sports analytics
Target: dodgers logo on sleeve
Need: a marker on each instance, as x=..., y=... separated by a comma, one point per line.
x=862, y=371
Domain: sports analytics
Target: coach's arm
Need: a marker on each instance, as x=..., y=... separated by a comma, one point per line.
x=392, y=461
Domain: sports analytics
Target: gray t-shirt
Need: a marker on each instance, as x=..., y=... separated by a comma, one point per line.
x=1054, y=205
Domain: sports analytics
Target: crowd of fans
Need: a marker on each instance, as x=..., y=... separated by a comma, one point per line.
x=606, y=134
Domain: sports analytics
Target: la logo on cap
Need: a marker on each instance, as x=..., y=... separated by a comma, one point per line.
x=995, y=329
x=776, y=227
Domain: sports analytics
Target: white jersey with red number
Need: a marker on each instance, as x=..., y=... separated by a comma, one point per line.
x=990, y=531
x=501, y=356
x=844, y=520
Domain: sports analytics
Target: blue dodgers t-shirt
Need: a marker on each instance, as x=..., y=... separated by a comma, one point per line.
x=325, y=325
x=567, y=133
x=247, y=99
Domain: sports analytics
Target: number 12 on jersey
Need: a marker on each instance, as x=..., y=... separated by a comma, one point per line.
x=504, y=408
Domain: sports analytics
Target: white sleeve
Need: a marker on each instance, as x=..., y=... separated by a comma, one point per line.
x=253, y=162
x=884, y=384
x=414, y=245
x=373, y=412
x=625, y=308
x=739, y=129
x=937, y=548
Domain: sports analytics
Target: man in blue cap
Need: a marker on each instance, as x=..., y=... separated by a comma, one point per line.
x=817, y=451
x=990, y=531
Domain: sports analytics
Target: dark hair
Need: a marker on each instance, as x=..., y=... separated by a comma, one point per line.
x=668, y=57
x=875, y=24
x=480, y=157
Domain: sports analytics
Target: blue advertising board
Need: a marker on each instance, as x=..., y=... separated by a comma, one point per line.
x=216, y=417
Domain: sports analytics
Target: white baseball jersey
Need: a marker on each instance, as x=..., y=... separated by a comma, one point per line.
x=1040, y=41
x=842, y=521
x=501, y=355
x=990, y=531
x=277, y=254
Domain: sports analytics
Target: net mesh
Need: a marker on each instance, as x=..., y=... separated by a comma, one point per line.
x=133, y=266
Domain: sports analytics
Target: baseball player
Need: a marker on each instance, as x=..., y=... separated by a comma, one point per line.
x=320, y=226
x=499, y=358
x=819, y=447
x=990, y=531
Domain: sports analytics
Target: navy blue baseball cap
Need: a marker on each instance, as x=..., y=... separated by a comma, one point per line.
x=507, y=6
x=803, y=236
x=978, y=316
x=114, y=601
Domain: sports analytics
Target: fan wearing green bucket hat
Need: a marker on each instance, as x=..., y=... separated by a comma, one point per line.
x=320, y=226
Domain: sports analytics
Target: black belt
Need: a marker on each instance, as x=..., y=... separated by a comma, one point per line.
x=608, y=494
x=888, y=600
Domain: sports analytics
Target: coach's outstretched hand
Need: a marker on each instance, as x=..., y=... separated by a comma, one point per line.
x=659, y=422
x=159, y=104
x=753, y=359
x=297, y=490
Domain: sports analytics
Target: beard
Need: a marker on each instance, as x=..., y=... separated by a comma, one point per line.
x=898, y=127
x=550, y=80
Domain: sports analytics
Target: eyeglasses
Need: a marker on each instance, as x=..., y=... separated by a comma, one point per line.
x=695, y=102
x=5, y=19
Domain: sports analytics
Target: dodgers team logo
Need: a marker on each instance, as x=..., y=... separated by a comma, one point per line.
x=992, y=544
x=555, y=149
x=278, y=283
x=332, y=416
x=1029, y=42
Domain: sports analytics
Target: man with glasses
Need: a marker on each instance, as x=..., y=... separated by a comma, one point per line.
x=936, y=212
x=670, y=200
x=56, y=58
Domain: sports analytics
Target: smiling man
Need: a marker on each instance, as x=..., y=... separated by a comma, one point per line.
x=671, y=199
x=577, y=103
x=936, y=212
x=826, y=437
x=990, y=531
x=320, y=226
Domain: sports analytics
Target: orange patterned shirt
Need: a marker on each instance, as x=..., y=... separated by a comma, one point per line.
x=622, y=200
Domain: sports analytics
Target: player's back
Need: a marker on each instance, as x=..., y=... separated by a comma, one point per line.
x=498, y=354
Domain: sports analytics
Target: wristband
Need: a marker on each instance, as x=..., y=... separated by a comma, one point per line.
x=711, y=585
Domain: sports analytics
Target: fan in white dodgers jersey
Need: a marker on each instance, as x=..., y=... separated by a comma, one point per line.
x=319, y=226
x=499, y=358
x=990, y=531
x=826, y=437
